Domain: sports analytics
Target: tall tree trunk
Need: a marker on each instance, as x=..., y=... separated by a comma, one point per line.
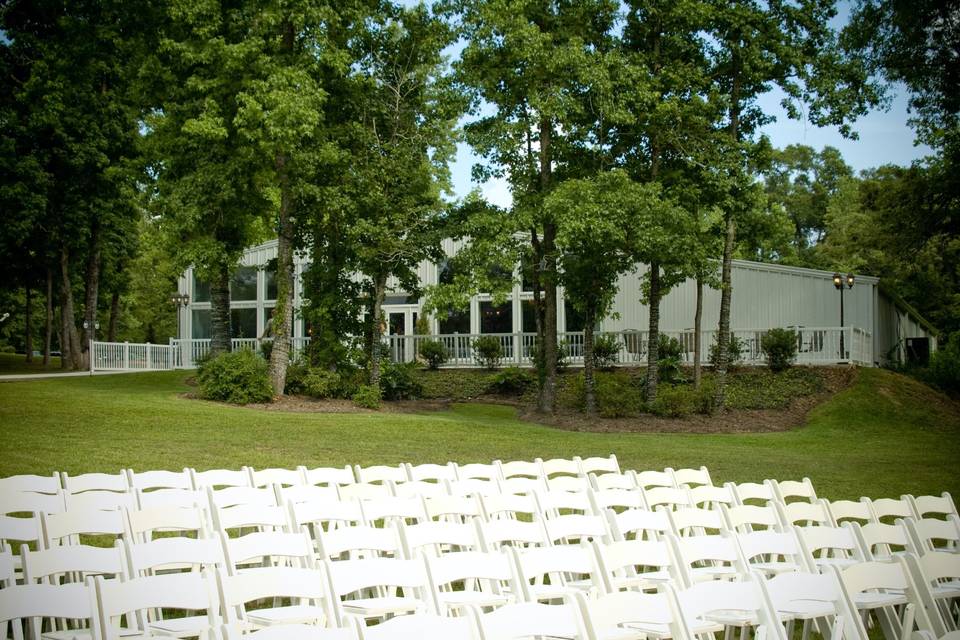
x=283, y=312
x=376, y=333
x=589, y=318
x=92, y=290
x=70, y=345
x=548, y=273
x=697, y=347
x=48, y=320
x=115, y=316
x=221, y=332
x=653, y=334
x=28, y=319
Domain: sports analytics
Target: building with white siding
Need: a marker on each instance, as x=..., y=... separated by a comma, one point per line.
x=878, y=325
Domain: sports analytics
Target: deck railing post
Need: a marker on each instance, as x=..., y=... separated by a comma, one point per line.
x=126, y=355
x=149, y=357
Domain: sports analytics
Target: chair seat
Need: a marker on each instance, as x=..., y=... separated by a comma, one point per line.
x=662, y=631
x=806, y=610
x=179, y=627
x=620, y=633
x=872, y=600
x=704, y=574
x=949, y=589
x=840, y=563
x=775, y=568
x=643, y=580
x=732, y=617
x=553, y=592
x=295, y=614
x=457, y=599
x=377, y=607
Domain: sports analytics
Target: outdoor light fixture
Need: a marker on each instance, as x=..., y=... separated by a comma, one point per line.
x=838, y=281
x=179, y=300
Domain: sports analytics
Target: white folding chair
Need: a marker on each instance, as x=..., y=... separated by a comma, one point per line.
x=804, y=513
x=554, y=503
x=930, y=534
x=616, y=499
x=148, y=481
x=849, y=511
x=393, y=509
x=20, y=515
x=251, y=517
x=625, y=481
x=879, y=541
x=600, y=466
x=145, y=524
x=519, y=469
x=28, y=483
x=328, y=476
x=397, y=586
x=486, y=580
x=435, y=473
x=171, y=498
x=576, y=528
x=267, y=549
x=707, y=496
x=885, y=589
x=532, y=619
x=694, y=521
x=924, y=506
x=433, y=538
x=361, y=541
x=547, y=574
x=654, y=479
x=828, y=546
x=707, y=558
x=288, y=632
x=887, y=510
x=478, y=471
x=636, y=565
x=323, y=515
x=807, y=597
x=630, y=615
x=937, y=577
x=75, y=526
x=770, y=552
x=100, y=500
x=509, y=506
x=692, y=477
x=495, y=534
x=70, y=563
x=707, y=607
x=305, y=587
x=31, y=604
x=558, y=467
x=749, y=517
x=274, y=476
x=417, y=626
x=452, y=508
x=168, y=555
x=802, y=490
x=219, y=478
x=752, y=493
x=667, y=497
x=638, y=524
x=114, y=482
x=380, y=473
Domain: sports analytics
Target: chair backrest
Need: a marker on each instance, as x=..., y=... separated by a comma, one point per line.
x=560, y=467
x=707, y=496
x=693, y=521
x=101, y=500
x=430, y=471
x=246, y=516
x=607, y=615
x=142, y=524
x=435, y=538
x=692, y=477
x=173, y=554
x=804, y=513
x=381, y=473
x=478, y=471
x=189, y=591
x=236, y=496
x=365, y=490
x=214, y=478
x=329, y=476
x=71, y=564
x=638, y=524
x=118, y=482
x=348, y=577
x=669, y=497
x=827, y=545
x=599, y=465
x=452, y=508
x=358, y=542
x=176, y=498
x=616, y=499
x=522, y=485
x=282, y=477
x=325, y=514
x=623, y=563
x=553, y=503
x=749, y=517
x=69, y=526
x=793, y=591
x=575, y=528
x=420, y=489
x=718, y=553
x=697, y=602
x=509, y=506
x=578, y=484
x=20, y=528
x=520, y=469
x=930, y=534
x=879, y=541
x=30, y=483
x=393, y=509
x=526, y=619
x=800, y=489
x=937, y=505
x=150, y=480
x=305, y=493
x=307, y=586
x=755, y=493
x=765, y=547
x=850, y=511
x=614, y=481
x=495, y=534
x=422, y=625
x=652, y=479
x=34, y=602
x=492, y=569
x=889, y=509
x=866, y=576
x=267, y=548
x=473, y=487
x=556, y=565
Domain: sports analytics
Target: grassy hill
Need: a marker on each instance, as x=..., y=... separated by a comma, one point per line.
x=884, y=436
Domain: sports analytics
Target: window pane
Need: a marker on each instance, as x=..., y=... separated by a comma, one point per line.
x=496, y=319
x=244, y=323
x=574, y=317
x=445, y=268
x=455, y=322
x=529, y=311
x=270, y=278
x=243, y=284
x=201, y=290
x=202, y=329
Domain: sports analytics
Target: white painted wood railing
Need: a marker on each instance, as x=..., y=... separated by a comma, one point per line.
x=815, y=346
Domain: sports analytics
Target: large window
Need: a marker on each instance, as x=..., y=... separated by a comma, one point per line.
x=496, y=318
x=202, y=327
x=243, y=284
x=528, y=311
x=270, y=283
x=445, y=271
x=201, y=290
x=244, y=323
x=455, y=322
x=574, y=317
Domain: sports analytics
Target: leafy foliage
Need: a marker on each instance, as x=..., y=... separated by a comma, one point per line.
x=488, y=351
x=944, y=369
x=735, y=349
x=669, y=358
x=433, y=353
x=617, y=395
x=512, y=381
x=681, y=400
x=322, y=383
x=606, y=349
x=367, y=396
x=399, y=382
x=780, y=347
x=238, y=377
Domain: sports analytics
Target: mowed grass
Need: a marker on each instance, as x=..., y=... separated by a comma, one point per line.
x=885, y=436
x=17, y=363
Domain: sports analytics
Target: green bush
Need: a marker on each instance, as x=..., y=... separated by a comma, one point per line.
x=367, y=396
x=322, y=383
x=616, y=395
x=606, y=348
x=433, y=353
x=735, y=349
x=678, y=401
x=266, y=348
x=297, y=371
x=944, y=369
x=669, y=358
x=563, y=350
x=7, y=348
x=239, y=377
x=512, y=381
x=488, y=351
x=455, y=384
x=397, y=381
x=780, y=347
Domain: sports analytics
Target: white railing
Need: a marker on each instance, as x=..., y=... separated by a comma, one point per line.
x=815, y=346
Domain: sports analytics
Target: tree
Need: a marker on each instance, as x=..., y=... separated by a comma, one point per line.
x=400, y=147
x=754, y=47
x=534, y=65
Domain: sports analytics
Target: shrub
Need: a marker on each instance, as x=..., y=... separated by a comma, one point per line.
x=239, y=377
x=563, y=350
x=735, y=349
x=616, y=395
x=397, y=381
x=422, y=326
x=7, y=348
x=944, y=369
x=488, y=351
x=455, y=384
x=780, y=347
x=677, y=401
x=367, y=396
x=322, y=383
x=669, y=357
x=512, y=381
x=606, y=348
x=266, y=348
x=433, y=353
x=297, y=370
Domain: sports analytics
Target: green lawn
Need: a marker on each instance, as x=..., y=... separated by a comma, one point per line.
x=17, y=363
x=885, y=436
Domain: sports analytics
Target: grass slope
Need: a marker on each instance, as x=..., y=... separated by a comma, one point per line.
x=884, y=436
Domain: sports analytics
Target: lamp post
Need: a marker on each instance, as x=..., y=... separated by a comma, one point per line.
x=179, y=300
x=841, y=282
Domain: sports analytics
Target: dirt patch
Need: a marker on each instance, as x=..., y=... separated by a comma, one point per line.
x=306, y=404
x=730, y=421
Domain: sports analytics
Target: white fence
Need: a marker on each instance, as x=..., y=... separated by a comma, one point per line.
x=815, y=346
